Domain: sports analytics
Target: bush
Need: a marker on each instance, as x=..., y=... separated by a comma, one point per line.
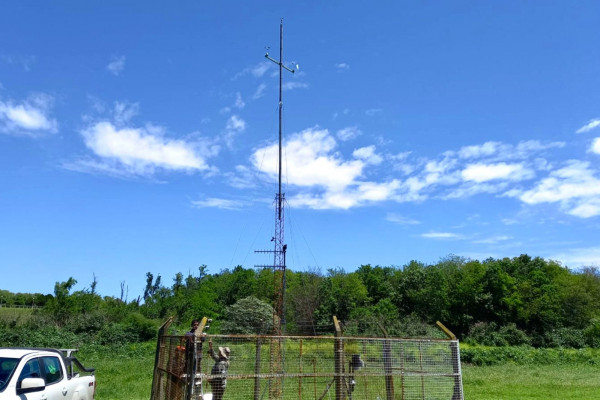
x=565, y=337
x=488, y=334
x=592, y=333
x=140, y=327
x=248, y=316
x=115, y=334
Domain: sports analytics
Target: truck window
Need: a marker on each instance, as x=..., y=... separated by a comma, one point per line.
x=52, y=369
x=7, y=367
x=31, y=369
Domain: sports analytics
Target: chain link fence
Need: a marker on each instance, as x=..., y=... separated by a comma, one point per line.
x=296, y=367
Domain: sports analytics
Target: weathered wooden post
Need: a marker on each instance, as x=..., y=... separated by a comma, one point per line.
x=340, y=392
x=457, y=392
x=387, y=366
x=257, y=370
x=157, y=376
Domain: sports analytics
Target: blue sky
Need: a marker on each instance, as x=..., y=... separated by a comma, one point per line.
x=140, y=136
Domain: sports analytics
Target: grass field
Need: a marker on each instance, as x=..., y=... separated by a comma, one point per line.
x=128, y=375
x=20, y=315
x=510, y=381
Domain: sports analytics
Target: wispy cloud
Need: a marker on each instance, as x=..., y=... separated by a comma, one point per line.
x=256, y=71
x=348, y=133
x=116, y=65
x=493, y=239
x=486, y=172
x=593, y=124
x=400, y=219
x=234, y=126
x=260, y=91
x=442, y=235
x=226, y=204
x=291, y=85
x=373, y=111
x=24, y=61
x=579, y=257
x=368, y=155
x=239, y=102
x=30, y=117
x=342, y=66
x=574, y=187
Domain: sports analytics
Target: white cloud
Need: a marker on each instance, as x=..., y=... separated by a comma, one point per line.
x=487, y=172
x=595, y=146
x=593, y=124
x=400, y=219
x=441, y=235
x=213, y=202
x=579, y=257
x=257, y=71
x=574, y=186
x=125, y=111
x=368, y=155
x=348, y=133
x=342, y=66
x=117, y=65
x=234, y=126
x=141, y=150
x=373, y=111
x=486, y=149
x=260, y=69
x=30, y=117
x=260, y=91
x=239, y=102
x=493, y=239
x=235, y=123
x=309, y=161
x=25, y=61
x=293, y=85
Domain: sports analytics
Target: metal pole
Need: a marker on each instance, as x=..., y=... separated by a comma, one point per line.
x=280, y=112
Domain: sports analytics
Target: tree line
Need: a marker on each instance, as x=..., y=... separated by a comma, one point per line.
x=508, y=301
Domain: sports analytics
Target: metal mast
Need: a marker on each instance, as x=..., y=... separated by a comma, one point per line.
x=279, y=266
x=279, y=251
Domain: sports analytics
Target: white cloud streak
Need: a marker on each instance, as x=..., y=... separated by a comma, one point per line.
x=116, y=66
x=574, y=187
x=441, y=235
x=29, y=118
x=226, y=204
x=593, y=124
x=139, y=151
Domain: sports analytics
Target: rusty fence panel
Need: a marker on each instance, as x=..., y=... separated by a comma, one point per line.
x=315, y=368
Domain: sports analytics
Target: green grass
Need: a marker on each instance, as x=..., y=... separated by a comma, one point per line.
x=20, y=315
x=516, y=382
x=121, y=373
x=126, y=373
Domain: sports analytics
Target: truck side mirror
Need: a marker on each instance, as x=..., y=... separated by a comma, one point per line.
x=29, y=385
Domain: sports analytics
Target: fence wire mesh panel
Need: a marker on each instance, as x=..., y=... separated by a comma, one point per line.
x=316, y=368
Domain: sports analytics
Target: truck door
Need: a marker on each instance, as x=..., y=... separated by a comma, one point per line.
x=57, y=387
x=31, y=369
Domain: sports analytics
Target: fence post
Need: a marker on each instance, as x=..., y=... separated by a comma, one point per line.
x=156, y=374
x=340, y=393
x=387, y=367
x=457, y=393
x=257, y=370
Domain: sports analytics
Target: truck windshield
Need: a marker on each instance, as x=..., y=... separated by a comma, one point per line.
x=7, y=367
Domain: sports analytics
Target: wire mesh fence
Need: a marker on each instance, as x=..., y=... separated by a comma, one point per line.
x=316, y=368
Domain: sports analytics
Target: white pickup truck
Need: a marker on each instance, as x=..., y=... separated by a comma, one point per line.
x=44, y=374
